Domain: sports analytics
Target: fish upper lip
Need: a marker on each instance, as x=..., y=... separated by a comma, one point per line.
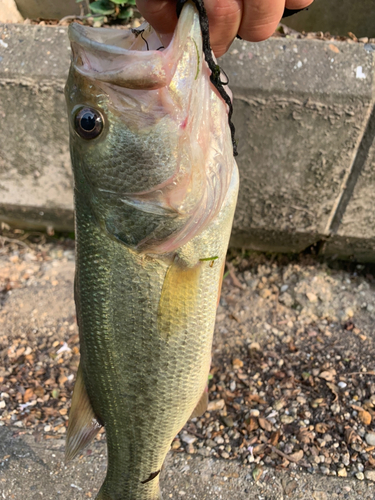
x=109, y=41
x=118, y=57
x=80, y=34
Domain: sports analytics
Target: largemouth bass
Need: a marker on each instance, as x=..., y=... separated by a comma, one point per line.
x=155, y=192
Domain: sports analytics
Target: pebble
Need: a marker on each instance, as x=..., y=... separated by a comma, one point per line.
x=287, y=419
x=190, y=449
x=218, y=404
x=342, y=385
x=228, y=421
x=205, y=452
x=188, y=438
x=360, y=476
x=286, y=299
x=335, y=408
x=370, y=475
x=279, y=404
x=342, y=472
x=254, y=413
x=370, y=438
x=327, y=438
x=288, y=448
x=175, y=444
x=346, y=459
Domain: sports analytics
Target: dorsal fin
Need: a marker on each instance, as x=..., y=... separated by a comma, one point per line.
x=83, y=424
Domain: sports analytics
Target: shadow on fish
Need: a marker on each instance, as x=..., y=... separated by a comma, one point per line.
x=155, y=192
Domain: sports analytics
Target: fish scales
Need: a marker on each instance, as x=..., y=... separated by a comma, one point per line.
x=147, y=389
x=146, y=293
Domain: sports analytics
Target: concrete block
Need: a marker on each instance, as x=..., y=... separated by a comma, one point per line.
x=35, y=172
x=47, y=9
x=301, y=108
x=353, y=233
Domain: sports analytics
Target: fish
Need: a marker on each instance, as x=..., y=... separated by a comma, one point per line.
x=155, y=188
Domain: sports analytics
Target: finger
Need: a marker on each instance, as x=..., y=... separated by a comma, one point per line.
x=224, y=18
x=260, y=19
x=297, y=4
x=161, y=14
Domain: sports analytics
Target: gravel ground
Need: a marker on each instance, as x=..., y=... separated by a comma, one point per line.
x=293, y=376
x=36, y=471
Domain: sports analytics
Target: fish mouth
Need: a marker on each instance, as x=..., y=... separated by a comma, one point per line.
x=186, y=114
x=134, y=59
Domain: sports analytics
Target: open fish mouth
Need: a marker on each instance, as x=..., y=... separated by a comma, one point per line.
x=108, y=55
x=152, y=95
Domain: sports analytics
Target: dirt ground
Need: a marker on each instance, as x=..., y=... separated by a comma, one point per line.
x=292, y=389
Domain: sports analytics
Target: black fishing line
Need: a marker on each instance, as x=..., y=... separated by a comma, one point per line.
x=140, y=32
x=215, y=68
x=144, y=39
x=226, y=76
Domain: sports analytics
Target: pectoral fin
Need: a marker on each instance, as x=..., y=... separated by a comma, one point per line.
x=201, y=406
x=83, y=424
x=178, y=298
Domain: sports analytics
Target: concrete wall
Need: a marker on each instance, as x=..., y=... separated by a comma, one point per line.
x=337, y=16
x=300, y=113
x=48, y=9
x=35, y=173
x=305, y=128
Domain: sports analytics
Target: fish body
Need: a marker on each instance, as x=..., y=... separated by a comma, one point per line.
x=155, y=192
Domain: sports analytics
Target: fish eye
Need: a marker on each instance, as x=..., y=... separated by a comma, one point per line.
x=88, y=123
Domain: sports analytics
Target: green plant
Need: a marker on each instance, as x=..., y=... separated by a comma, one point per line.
x=114, y=9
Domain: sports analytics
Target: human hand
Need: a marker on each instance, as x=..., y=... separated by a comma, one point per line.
x=252, y=20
